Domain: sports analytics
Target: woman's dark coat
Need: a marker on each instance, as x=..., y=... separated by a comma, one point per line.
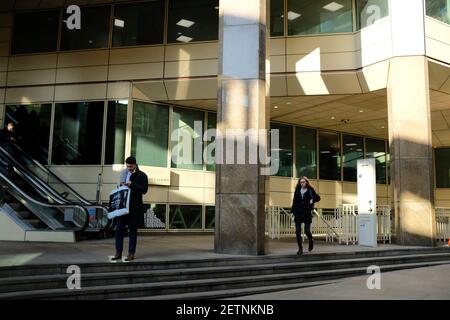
x=138, y=187
x=302, y=207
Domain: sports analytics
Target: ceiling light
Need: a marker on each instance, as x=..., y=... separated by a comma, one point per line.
x=293, y=15
x=332, y=118
x=361, y=111
x=326, y=151
x=382, y=127
x=216, y=7
x=351, y=144
x=276, y=107
x=333, y=6
x=119, y=23
x=288, y=102
x=185, y=23
x=184, y=39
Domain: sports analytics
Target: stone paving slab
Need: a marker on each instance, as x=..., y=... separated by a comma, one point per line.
x=429, y=283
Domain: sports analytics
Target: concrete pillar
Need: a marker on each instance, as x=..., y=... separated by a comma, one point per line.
x=241, y=186
x=410, y=136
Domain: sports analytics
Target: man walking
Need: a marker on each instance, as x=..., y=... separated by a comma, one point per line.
x=137, y=181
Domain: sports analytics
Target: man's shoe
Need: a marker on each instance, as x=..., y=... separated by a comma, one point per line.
x=300, y=251
x=311, y=246
x=130, y=257
x=118, y=256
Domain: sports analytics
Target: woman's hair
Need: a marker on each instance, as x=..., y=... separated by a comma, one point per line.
x=308, y=184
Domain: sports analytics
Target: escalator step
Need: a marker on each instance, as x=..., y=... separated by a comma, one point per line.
x=15, y=205
x=35, y=223
x=24, y=214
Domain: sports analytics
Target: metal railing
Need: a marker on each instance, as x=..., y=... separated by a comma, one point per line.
x=342, y=226
x=442, y=224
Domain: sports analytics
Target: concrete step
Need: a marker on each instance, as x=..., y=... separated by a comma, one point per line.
x=41, y=282
x=138, y=265
x=203, y=285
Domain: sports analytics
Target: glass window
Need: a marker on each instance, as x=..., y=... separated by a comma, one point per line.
x=35, y=32
x=369, y=11
x=276, y=18
x=138, y=24
x=442, y=160
x=305, y=151
x=195, y=20
x=149, y=142
x=116, y=127
x=284, y=151
x=77, y=133
x=376, y=149
x=319, y=16
x=32, y=126
x=187, y=136
x=210, y=217
x=353, y=151
x=329, y=156
x=210, y=156
x=155, y=216
x=185, y=217
x=439, y=9
x=94, y=32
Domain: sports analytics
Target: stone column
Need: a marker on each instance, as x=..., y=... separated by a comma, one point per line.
x=410, y=136
x=240, y=184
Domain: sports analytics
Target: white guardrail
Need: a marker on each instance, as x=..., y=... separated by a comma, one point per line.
x=442, y=224
x=342, y=226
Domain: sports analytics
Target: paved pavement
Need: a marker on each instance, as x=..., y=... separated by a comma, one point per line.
x=150, y=248
x=423, y=283
x=430, y=283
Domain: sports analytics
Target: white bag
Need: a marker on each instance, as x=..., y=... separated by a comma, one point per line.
x=119, y=202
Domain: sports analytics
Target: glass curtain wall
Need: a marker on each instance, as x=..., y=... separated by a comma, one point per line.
x=319, y=16
x=138, y=24
x=442, y=161
x=306, y=152
x=35, y=32
x=438, y=9
x=32, y=127
x=116, y=127
x=376, y=149
x=77, y=133
x=353, y=151
x=285, y=150
x=194, y=20
x=149, y=141
x=329, y=156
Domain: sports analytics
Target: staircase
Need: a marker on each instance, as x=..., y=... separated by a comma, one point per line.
x=207, y=278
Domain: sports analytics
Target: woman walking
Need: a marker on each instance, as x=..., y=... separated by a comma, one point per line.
x=302, y=205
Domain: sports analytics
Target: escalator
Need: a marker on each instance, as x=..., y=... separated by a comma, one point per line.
x=36, y=205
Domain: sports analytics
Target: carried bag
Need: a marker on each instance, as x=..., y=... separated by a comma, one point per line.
x=119, y=202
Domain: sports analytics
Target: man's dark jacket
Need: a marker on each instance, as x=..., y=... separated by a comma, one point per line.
x=302, y=207
x=138, y=187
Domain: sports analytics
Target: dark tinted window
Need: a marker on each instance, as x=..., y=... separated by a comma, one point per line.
x=353, y=151
x=276, y=18
x=329, y=156
x=116, y=127
x=195, y=20
x=35, y=32
x=94, y=32
x=306, y=154
x=442, y=160
x=376, y=149
x=284, y=149
x=77, y=134
x=138, y=24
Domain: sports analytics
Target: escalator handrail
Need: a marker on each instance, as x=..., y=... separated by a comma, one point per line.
x=33, y=179
x=48, y=205
x=48, y=171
